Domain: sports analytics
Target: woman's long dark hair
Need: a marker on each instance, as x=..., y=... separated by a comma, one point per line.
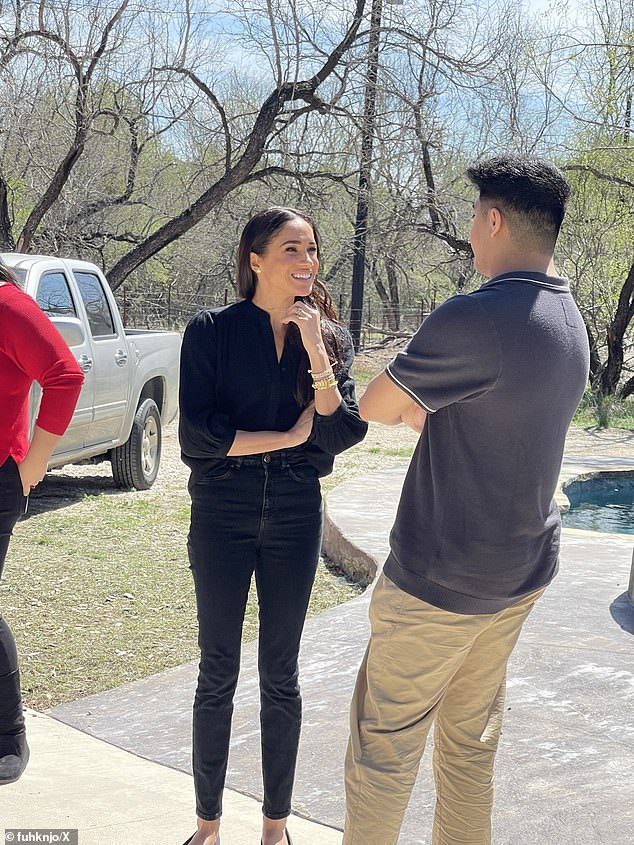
x=6, y=274
x=256, y=237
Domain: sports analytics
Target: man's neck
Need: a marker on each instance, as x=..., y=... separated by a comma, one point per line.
x=524, y=264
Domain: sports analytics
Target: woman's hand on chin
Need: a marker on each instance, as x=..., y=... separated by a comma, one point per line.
x=307, y=318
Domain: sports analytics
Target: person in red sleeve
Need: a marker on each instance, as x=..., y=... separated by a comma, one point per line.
x=31, y=349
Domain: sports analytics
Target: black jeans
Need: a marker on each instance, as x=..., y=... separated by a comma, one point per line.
x=11, y=508
x=253, y=514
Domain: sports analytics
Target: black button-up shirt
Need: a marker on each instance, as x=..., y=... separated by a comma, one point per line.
x=231, y=380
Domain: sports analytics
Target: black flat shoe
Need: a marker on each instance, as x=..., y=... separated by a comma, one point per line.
x=187, y=841
x=14, y=755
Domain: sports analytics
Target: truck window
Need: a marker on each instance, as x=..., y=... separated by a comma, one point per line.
x=97, y=307
x=54, y=296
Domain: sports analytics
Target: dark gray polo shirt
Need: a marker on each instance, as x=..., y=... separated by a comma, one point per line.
x=500, y=373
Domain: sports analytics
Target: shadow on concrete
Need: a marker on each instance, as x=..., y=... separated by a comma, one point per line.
x=597, y=433
x=622, y=611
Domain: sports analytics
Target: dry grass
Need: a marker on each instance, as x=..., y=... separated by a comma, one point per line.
x=99, y=593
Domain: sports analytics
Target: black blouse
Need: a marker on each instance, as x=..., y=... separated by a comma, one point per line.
x=231, y=380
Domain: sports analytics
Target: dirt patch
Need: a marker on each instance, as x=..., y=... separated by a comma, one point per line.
x=372, y=361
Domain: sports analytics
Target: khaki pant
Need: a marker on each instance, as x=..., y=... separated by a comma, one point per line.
x=425, y=665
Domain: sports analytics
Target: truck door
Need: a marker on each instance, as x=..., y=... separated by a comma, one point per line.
x=55, y=298
x=110, y=361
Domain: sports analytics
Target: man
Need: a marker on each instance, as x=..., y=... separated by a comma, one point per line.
x=492, y=379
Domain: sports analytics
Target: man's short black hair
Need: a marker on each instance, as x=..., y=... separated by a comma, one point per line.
x=531, y=190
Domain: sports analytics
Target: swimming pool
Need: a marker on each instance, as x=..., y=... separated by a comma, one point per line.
x=602, y=503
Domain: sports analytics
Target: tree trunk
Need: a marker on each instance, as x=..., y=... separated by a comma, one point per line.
x=432, y=206
x=7, y=244
x=627, y=389
x=394, y=315
x=386, y=301
x=595, y=360
x=615, y=336
x=52, y=193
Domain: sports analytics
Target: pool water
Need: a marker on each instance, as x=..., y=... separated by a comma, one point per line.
x=601, y=504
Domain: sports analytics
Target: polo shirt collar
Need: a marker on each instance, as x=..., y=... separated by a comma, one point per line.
x=528, y=277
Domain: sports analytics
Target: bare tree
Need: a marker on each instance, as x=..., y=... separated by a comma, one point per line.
x=600, y=162
x=54, y=38
x=51, y=40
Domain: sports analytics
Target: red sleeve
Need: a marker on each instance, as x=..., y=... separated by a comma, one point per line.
x=38, y=349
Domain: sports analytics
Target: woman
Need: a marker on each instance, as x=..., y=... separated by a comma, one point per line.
x=267, y=400
x=31, y=349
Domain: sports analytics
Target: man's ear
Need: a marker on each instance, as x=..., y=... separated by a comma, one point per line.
x=495, y=220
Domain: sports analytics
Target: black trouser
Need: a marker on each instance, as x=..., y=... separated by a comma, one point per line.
x=11, y=508
x=254, y=514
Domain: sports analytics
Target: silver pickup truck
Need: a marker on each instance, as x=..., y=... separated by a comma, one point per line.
x=131, y=376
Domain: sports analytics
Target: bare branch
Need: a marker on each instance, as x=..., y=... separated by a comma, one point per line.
x=202, y=86
x=109, y=202
x=114, y=20
x=276, y=46
x=265, y=173
x=606, y=177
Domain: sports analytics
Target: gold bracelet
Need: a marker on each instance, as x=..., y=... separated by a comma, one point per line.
x=320, y=376
x=325, y=383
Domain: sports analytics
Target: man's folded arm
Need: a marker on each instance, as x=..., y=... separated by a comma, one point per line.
x=385, y=402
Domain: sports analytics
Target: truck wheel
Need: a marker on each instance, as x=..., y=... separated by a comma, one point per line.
x=136, y=462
